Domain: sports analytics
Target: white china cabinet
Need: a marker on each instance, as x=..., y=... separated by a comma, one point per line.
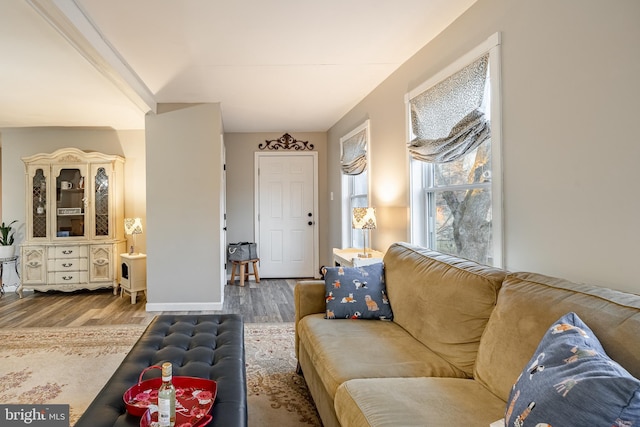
x=75, y=214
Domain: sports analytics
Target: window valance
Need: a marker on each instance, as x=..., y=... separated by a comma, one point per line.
x=447, y=119
x=354, y=154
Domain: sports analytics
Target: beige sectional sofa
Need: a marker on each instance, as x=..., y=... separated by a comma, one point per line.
x=461, y=335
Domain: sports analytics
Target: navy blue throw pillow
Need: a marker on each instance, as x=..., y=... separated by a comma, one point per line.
x=570, y=381
x=356, y=293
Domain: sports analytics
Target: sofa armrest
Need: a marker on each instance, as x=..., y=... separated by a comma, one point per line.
x=309, y=298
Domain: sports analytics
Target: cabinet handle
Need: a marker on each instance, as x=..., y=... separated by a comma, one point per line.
x=67, y=264
x=67, y=252
x=67, y=277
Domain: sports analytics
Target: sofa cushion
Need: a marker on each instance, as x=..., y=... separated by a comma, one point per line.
x=392, y=402
x=344, y=349
x=528, y=303
x=570, y=380
x=356, y=293
x=441, y=300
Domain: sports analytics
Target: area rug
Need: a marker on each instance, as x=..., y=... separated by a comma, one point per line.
x=274, y=391
x=70, y=366
x=61, y=365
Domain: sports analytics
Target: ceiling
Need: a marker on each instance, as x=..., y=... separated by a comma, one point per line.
x=277, y=65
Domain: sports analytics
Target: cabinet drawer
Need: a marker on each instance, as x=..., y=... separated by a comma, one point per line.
x=70, y=252
x=67, y=277
x=67, y=264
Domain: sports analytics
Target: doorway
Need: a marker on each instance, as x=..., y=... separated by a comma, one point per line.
x=287, y=205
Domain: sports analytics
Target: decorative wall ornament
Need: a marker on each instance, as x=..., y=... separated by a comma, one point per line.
x=286, y=142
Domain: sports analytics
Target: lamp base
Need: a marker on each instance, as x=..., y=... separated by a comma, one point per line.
x=365, y=255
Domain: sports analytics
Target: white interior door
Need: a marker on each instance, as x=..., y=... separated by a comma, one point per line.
x=286, y=220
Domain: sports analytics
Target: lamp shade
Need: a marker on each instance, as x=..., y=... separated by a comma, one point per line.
x=133, y=226
x=364, y=218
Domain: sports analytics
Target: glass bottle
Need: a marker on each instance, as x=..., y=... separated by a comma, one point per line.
x=167, y=398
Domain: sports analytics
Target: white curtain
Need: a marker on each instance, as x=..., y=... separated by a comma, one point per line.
x=354, y=154
x=447, y=119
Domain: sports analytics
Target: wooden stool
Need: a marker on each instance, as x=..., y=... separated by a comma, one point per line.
x=244, y=271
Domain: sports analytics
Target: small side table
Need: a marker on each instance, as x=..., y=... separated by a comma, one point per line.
x=133, y=275
x=349, y=257
x=3, y=261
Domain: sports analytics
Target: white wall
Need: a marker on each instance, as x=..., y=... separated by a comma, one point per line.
x=570, y=152
x=184, y=200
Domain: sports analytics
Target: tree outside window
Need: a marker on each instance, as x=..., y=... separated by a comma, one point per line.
x=460, y=204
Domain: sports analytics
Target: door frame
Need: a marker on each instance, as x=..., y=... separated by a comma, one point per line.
x=256, y=203
x=223, y=216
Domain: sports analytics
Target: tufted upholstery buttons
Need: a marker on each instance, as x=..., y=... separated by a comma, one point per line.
x=205, y=346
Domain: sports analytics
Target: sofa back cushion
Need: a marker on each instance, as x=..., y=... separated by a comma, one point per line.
x=441, y=300
x=528, y=304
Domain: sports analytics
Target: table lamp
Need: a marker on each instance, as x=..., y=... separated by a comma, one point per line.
x=365, y=219
x=133, y=226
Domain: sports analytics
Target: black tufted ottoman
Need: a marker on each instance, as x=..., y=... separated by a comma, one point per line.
x=205, y=346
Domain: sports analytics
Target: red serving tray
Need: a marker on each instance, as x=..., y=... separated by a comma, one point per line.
x=194, y=399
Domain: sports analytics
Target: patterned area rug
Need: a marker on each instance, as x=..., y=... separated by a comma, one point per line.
x=277, y=396
x=70, y=366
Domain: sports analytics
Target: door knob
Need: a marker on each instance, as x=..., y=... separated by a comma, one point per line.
x=310, y=223
x=309, y=214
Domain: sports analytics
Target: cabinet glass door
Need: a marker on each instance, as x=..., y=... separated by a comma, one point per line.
x=101, y=202
x=70, y=204
x=39, y=204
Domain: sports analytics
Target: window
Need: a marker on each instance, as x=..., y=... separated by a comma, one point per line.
x=454, y=142
x=354, y=152
x=358, y=193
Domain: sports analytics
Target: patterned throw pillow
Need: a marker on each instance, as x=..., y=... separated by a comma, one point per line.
x=570, y=381
x=356, y=293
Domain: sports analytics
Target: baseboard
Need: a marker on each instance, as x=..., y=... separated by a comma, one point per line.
x=184, y=306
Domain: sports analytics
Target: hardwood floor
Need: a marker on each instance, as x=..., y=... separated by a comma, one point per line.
x=269, y=301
